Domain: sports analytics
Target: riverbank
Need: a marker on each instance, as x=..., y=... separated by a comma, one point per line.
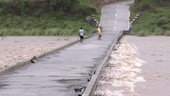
x=150, y=17
x=18, y=49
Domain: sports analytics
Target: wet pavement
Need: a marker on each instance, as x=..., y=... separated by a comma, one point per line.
x=59, y=73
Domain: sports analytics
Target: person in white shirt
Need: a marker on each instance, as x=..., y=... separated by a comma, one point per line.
x=81, y=34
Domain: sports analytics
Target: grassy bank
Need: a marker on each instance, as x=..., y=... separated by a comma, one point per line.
x=46, y=25
x=153, y=19
x=34, y=17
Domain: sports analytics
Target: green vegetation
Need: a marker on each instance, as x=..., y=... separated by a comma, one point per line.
x=45, y=17
x=154, y=17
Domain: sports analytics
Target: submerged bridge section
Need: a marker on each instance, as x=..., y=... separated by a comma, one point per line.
x=60, y=73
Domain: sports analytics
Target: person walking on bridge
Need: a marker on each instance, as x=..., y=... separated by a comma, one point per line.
x=81, y=34
x=99, y=32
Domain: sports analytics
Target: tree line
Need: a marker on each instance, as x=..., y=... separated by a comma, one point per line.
x=39, y=7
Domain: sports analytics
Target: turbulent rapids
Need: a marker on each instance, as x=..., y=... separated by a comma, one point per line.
x=121, y=73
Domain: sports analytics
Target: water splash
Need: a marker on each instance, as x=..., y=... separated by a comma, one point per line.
x=121, y=73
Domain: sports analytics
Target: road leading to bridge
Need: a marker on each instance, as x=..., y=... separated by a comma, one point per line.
x=115, y=19
x=59, y=73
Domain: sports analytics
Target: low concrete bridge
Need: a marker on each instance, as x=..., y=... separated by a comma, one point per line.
x=59, y=73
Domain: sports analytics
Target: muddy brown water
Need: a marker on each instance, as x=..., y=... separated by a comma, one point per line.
x=155, y=51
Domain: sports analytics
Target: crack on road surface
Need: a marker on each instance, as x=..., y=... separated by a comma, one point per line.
x=67, y=80
x=3, y=85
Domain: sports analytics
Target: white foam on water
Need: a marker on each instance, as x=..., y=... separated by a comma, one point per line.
x=109, y=93
x=139, y=79
x=122, y=72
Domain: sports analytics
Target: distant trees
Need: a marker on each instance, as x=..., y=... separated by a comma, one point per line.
x=21, y=7
x=64, y=5
x=39, y=7
x=144, y=5
x=154, y=17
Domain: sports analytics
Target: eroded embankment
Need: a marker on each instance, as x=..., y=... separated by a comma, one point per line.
x=121, y=73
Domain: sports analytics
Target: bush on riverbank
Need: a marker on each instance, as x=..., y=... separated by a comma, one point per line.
x=45, y=17
x=153, y=19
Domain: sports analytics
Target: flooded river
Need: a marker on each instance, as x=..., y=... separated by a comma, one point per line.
x=138, y=67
